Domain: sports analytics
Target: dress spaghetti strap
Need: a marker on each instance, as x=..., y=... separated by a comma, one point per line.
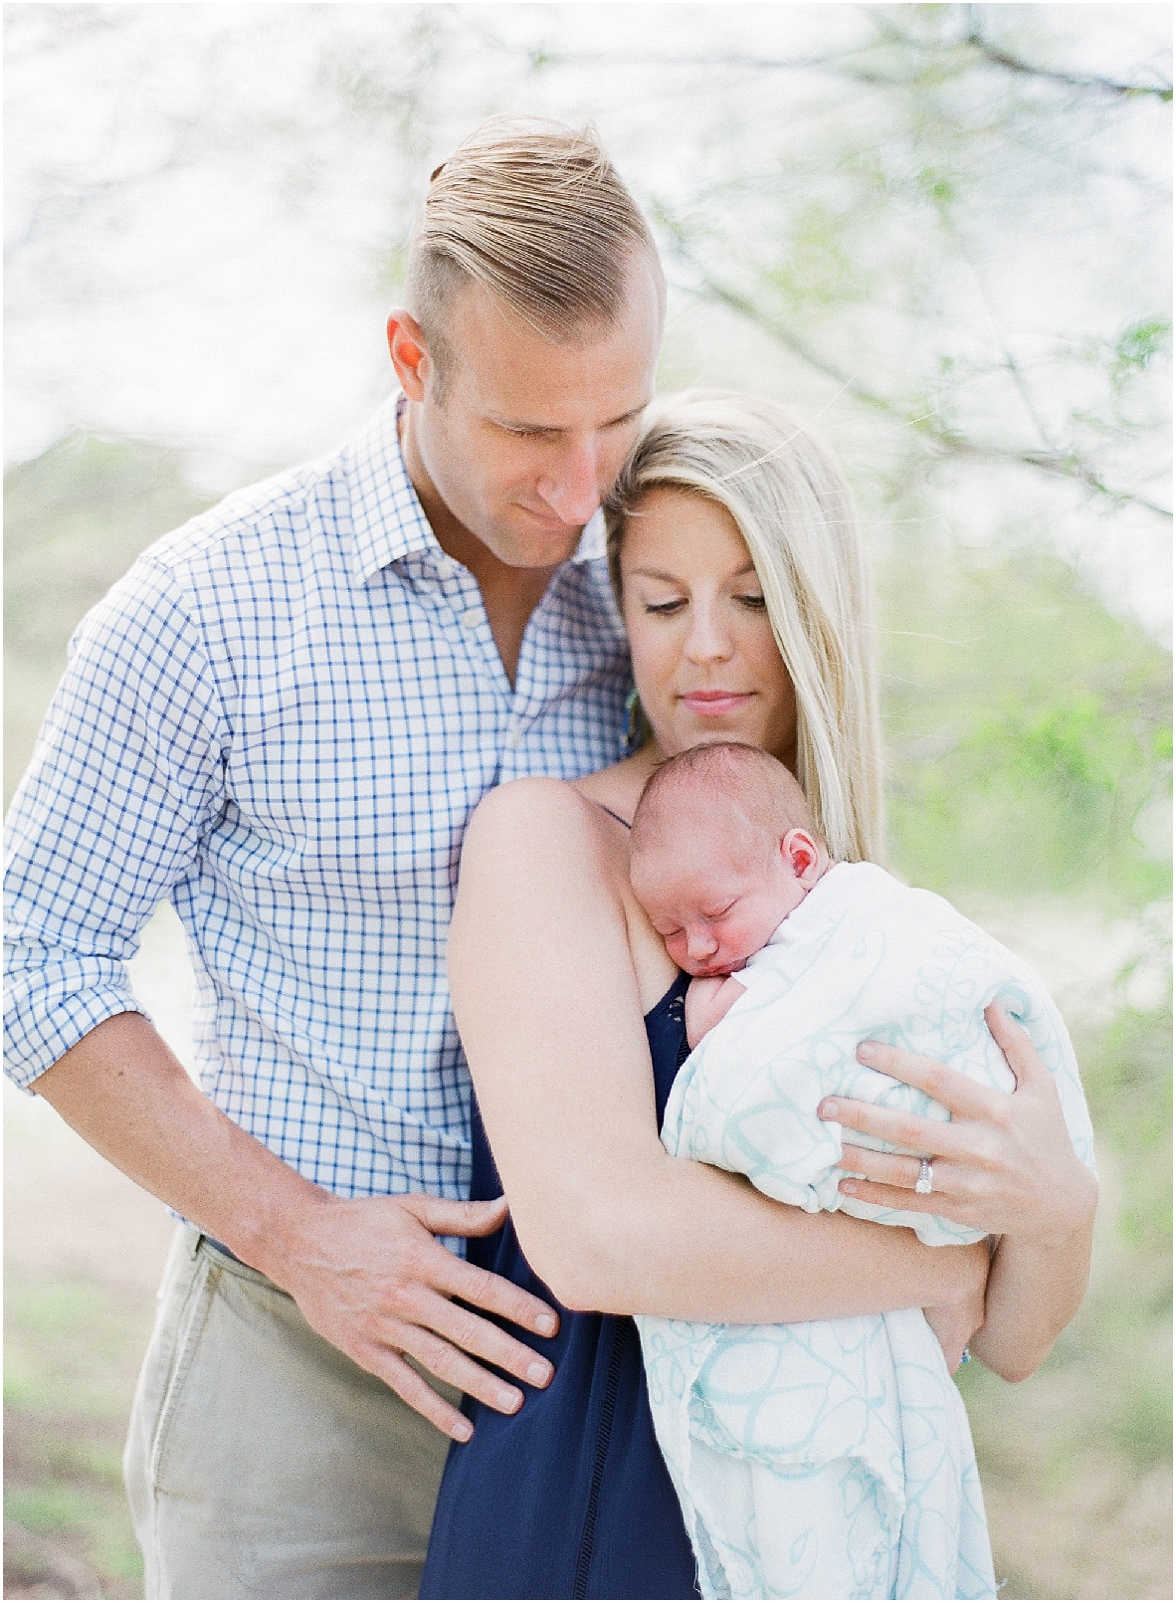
x=617, y=816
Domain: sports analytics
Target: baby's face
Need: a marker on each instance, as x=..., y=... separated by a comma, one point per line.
x=713, y=901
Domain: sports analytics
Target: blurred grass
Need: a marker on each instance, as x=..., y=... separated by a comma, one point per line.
x=1029, y=741
x=1076, y=1463
x=71, y=1354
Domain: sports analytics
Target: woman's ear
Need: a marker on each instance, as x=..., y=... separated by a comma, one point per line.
x=805, y=857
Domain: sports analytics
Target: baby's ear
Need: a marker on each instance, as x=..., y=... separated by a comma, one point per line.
x=803, y=856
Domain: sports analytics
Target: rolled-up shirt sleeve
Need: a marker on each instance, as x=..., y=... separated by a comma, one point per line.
x=126, y=778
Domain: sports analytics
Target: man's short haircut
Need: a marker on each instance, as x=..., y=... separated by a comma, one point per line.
x=537, y=214
x=752, y=782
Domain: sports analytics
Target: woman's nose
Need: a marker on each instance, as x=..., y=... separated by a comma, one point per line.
x=708, y=638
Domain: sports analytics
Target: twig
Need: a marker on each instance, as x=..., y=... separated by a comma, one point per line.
x=948, y=442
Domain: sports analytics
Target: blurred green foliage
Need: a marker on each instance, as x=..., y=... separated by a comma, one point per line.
x=1028, y=729
x=1129, y=1087
x=75, y=519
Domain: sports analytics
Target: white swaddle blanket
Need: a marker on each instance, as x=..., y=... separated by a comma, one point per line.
x=833, y=1459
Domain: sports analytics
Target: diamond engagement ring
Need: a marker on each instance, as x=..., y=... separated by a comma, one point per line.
x=923, y=1183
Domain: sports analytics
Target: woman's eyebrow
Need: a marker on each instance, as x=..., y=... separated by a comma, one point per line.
x=654, y=573
x=672, y=578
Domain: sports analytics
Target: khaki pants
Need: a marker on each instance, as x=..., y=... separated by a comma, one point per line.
x=262, y=1463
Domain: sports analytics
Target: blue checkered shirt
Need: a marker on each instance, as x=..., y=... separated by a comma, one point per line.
x=280, y=720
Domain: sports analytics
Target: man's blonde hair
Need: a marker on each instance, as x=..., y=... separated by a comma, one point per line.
x=790, y=502
x=537, y=214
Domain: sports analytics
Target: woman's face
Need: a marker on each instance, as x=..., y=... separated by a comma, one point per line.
x=704, y=658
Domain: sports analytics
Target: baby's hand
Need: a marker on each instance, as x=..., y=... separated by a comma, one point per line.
x=707, y=1001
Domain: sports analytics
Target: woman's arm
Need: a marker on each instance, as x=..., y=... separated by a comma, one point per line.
x=1005, y=1165
x=550, y=1010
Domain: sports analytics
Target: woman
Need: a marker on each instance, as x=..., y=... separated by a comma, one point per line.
x=734, y=554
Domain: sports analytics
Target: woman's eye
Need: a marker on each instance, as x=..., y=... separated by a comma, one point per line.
x=666, y=608
x=756, y=603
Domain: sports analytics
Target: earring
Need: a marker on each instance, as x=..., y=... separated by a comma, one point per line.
x=633, y=727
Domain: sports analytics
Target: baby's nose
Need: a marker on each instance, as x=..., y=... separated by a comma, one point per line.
x=700, y=943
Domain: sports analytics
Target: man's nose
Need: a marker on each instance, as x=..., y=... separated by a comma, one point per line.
x=572, y=488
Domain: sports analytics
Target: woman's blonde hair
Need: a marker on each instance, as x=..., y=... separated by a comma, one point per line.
x=793, y=507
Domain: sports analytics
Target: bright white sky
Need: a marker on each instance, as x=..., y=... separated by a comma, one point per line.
x=197, y=234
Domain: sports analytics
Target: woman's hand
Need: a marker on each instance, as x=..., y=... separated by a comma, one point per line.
x=956, y=1320
x=1004, y=1165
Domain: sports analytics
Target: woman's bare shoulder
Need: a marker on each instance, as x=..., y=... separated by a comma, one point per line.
x=541, y=825
x=538, y=853
x=522, y=805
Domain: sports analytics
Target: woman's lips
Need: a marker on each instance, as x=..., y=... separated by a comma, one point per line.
x=714, y=703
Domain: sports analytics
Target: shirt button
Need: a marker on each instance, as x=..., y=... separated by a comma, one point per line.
x=471, y=619
x=515, y=739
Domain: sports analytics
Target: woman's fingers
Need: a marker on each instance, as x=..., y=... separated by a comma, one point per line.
x=1013, y=1040
x=930, y=1136
x=903, y=1198
x=962, y=1097
x=887, y=1180
x=887, y=1168
x=951, y=1197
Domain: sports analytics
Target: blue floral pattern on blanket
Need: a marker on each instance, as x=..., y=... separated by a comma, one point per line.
x=833, y=1459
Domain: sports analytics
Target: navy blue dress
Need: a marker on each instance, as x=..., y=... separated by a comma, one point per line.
x=568, y=1498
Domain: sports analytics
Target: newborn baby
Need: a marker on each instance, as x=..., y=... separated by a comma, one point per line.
x=717, y=882
x=831, y=1459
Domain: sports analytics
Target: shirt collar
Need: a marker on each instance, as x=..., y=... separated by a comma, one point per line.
x=387, y=519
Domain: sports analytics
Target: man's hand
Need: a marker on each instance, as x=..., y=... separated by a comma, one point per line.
x=367, y=1274
x=370, y=1278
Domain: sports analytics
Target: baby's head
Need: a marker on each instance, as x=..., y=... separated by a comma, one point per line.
x=723, y=848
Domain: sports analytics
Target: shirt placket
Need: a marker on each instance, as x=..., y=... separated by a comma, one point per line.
x=532, y=687
x=470, y=624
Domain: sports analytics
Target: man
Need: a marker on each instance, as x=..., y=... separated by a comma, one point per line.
x=281, y=719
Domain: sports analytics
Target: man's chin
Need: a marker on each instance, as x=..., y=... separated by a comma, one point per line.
x=533, y=548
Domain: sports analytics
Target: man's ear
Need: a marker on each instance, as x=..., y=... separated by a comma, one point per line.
x=805, y=857
x=410, y=358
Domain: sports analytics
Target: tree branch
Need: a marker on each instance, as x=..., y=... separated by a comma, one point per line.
x=1004, y=58
x=842, y=64
x=946, y=441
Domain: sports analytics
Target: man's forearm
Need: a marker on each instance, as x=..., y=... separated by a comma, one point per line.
x=124, y=1091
